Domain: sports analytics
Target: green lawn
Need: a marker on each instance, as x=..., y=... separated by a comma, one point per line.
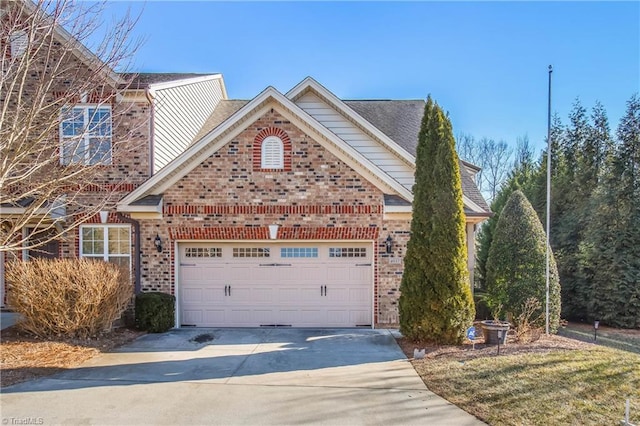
x=561, y=387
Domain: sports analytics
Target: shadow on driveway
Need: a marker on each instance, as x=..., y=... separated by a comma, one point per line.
x=241, y=356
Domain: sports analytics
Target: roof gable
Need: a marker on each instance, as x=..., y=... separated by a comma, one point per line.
x=210, y=142
x=380, y=119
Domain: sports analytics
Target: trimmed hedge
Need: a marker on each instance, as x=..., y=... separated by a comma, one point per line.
x=155, y=312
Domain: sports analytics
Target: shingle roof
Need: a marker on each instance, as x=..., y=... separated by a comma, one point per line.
x=223, y=110
x=142, y=80
x=398, y=119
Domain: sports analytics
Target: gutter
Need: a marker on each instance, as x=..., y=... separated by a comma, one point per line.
x=137, y=286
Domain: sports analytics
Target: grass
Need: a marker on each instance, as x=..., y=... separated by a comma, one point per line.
x=573, y=385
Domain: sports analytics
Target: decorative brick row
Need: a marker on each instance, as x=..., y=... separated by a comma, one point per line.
x=257, y=149
x=316, y=233
x=112, y=217
x=110, y=187
x=262, y=233
x=272, y=209
x=219, y=233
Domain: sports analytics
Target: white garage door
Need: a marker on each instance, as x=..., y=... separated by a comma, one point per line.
x=261, y=284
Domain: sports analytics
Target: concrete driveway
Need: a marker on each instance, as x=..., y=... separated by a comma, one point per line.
x=239, y=376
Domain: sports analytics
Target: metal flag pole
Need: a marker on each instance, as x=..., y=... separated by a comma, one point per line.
x=548, y=201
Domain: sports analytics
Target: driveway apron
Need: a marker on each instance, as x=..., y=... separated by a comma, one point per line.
x=260, y=376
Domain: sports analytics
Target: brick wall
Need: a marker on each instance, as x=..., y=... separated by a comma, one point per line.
x=226, y=197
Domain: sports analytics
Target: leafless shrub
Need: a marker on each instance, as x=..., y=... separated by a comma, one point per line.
x=68, y=297
x=527, y=324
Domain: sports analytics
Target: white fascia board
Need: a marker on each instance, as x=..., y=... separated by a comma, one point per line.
x=19, y=211
x=337, y=103
x=154, y=87
x=140, y=209
x=473, y=206
x=397, y=209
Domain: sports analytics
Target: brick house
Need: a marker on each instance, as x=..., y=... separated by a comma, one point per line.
x=287, y=209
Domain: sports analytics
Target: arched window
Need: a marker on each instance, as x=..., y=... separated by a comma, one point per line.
x=272, y=153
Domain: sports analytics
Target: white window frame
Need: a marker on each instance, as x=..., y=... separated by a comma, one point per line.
x=272, y=153
x=84, y=139
x=19, y=42
x=105, y=253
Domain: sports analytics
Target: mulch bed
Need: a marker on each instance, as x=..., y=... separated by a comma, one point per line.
x=25, y=357
x=466, y=351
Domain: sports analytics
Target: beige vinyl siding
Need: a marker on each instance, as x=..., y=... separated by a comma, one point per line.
x=180, y=112
x=361, y=141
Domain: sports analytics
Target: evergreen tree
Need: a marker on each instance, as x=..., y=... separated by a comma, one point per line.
x=516, y=267
x=570, y=200
x=435, y=302
x=611, y=248
x=522, y=177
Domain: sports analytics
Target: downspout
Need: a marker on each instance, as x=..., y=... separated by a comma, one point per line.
x=137, y=246
x=149, y=94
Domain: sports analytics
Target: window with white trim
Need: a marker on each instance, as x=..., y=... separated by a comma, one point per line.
x=299, y=252
x=203, y=252
x=251, y=252
x=85, y=133
x=272, y=152
x=347, y=252
x=19, y=42
x=111, y=243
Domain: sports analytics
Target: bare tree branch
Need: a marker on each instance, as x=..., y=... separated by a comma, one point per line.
x=46, y=180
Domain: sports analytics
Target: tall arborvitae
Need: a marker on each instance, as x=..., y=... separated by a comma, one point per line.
x=435, y=302
x=516, y=268
x=522, y=178
x=611, y=248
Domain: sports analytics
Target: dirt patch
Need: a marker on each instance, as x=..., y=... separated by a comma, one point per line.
x=24, y=357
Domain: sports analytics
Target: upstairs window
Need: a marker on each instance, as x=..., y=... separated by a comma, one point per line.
x=85, y=132
x=19, y=42
x=272, y=153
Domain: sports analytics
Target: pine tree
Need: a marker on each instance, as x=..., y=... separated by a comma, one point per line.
x=516, y=267
x=570, y=200
x=435, y=302
x=611, y=248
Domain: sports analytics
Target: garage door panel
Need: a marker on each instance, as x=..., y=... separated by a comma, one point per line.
x=337, y=317
x=242, y=317
x=192, y=316
x=316, y=290
x=214, y=316
x=359, y=296
x=192, y=295
x=312, y=316
x=361, y=317
x=288, y=295
x=213, y=295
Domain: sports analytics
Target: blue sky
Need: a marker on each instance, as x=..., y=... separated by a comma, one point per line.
x=484, y=62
